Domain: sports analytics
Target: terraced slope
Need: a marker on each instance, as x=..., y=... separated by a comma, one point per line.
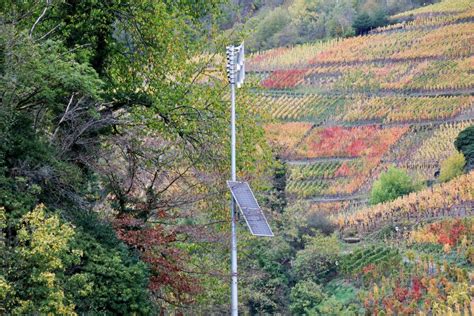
x=343, y=111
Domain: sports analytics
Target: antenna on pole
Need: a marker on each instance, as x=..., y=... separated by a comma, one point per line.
x=242, y=195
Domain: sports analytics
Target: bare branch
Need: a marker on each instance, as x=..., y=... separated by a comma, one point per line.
x=49, y=32
x=48, y=3
x=62, y=118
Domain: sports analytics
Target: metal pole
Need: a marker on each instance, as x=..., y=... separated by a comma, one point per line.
x=234, y=294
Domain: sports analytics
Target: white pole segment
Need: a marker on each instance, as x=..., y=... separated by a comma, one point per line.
x=235, y=299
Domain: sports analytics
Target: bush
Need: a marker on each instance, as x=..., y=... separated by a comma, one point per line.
x=391, y=185
x=304, y=297
x=317, y=261
x=465, y=144
x=379, y=18
x=318, y=222
x=452, y=167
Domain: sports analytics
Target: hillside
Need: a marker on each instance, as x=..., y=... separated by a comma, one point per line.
x=274, y=23
x=342, y=111
x=115, y=157
x=339, y=114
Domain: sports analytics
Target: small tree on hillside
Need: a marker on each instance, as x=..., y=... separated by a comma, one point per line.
x=379, y=18
x=452, y=167
x=465, y=144
x=362, y=24
x=365, y=22
x=391, y=185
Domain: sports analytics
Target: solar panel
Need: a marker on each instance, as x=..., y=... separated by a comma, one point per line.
x=248, y=205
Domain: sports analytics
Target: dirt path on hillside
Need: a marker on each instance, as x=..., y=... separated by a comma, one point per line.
x=462, y=117
x=378, y=61
x=422, y=27
x=310, y=161
x=457, y=211
x=355, y=196
x=379, y=93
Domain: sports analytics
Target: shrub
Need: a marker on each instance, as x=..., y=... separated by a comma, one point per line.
x=452, y=167
x=304, y=297
x=391, y=185
x=465, y=144
x=319, y=222
x=317, y=261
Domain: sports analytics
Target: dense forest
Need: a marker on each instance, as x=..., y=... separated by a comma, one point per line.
x=354, y=129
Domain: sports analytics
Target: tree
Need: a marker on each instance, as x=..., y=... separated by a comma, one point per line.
x=49, y=266
x=342, y=16
x=379, y=18
x=465, y=144
x=452, y=167
x=41, y=258
x=362, y=23
x=116, y=107
x=390, y=185
x=266, y=34
x=265, y=276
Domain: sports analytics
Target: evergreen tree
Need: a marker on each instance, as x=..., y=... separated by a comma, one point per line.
x=465, y=144
x=362, y=24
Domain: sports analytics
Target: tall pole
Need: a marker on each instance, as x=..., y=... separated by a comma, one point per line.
x=234, y=294
x=236, y=74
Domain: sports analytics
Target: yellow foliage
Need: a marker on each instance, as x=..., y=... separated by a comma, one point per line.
x=435, y=199
x=452, y=167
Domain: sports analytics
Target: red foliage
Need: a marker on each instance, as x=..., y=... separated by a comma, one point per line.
x=344, y=170
x=356, y=147
x=417, y=289
x=165, y=261
x=456, y=231
x=331, y=132
x=368, y=268
x=448, y=233
x=445, y=239
x=337, y=141
x=281, y=79
x=435, y=228
x=400, y=293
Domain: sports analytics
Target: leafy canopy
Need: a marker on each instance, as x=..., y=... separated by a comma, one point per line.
x=390, y=185
x=305, y=297
x=452, y=167
x=107, y=106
